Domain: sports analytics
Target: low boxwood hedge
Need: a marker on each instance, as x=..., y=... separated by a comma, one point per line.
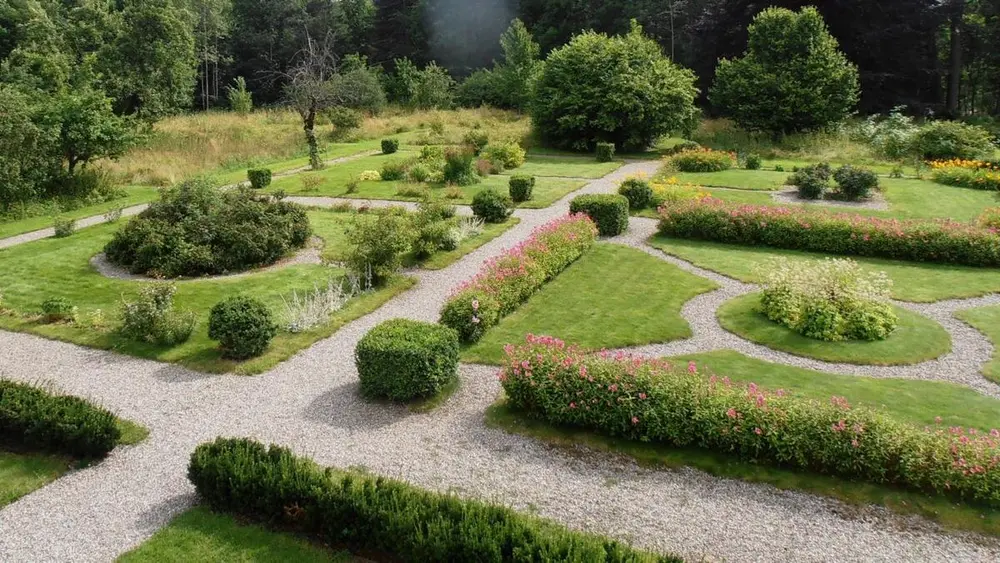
x=402, y=359
x=608, y=211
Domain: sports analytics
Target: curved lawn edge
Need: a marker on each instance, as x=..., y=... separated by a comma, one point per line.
x=987, y=321
x=917, y=339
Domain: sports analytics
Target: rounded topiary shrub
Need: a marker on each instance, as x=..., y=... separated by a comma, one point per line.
x=196, y=229
x=521, y=188
x=619, y=90
x=243, y=326
x=402, y=360
x=390, y=146
x=260, y=178
x=608, y=211
x=492, y=206
x=855, y=183
x=638, y=192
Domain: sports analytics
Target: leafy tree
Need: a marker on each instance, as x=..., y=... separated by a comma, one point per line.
x=434, y=88
x=240, y=99
x=88, y=128
x=792, y=77
x=617, y=89
x=27, y=157
x=508, y=84
x=401, y=85
x=398, y=31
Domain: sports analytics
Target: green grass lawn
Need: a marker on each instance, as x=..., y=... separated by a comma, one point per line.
x=200, y=535
x=916, y=339
x=566, y=167
x=135, y=196
x=914, y=401
x=33, y=272
x=331, y=152
x=613, y=296
x=912, y=281
x=987, y=321
x=735, y=178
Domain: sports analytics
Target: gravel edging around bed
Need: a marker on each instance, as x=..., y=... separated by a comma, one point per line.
x=790, y=195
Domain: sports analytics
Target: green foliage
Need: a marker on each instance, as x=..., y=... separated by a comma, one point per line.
x=812, y=181
x=240, y=99
x=855, y=183
x=791, y=78
x=605, y=152
x=402, y=360
x=608, y=211
x=389, y=146
x=520, y=187
x=394, y=170
x=492, y=206
x=377, y=244
x=36, y=420
x=152, y=318
x=58, y=309
x=620, y=90
x=434, y=88
x=481, y=88
x=943, y=140
x=401, y=85
x=433, y=236
x=63, y=227
x=196, y=230
x=344, y=120
x=506, y=155
x=358, y=88
x=509, y=83
x=260, y=178
x=373, y=514
x=700, y=160
x=243, y=325
x=459, y=168
x=752, y=162
x=966, y=177
x=638, y=192
x=476, y=140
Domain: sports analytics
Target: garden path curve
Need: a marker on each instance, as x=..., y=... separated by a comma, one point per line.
x=310, y=403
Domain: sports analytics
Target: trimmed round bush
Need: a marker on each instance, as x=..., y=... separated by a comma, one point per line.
x=58, y=309
x=638, y=192
x=389, y=146
x=812, y=181
x=605, y=152
x=855, y=183
x=521, y=188
x=492, y=206
x=243, y=326
x=401, y=360
x=260, y=178
x=608, y=211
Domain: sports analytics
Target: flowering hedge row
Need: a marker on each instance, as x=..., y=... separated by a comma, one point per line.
x=510, y=279
x=837, y=233
x=651, y=400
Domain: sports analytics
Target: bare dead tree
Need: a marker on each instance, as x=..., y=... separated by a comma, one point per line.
x=309, y=89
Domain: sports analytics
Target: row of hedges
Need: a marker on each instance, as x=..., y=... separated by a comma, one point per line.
x=510, y=279
x=33, y=419
x=836, y=233
x=366, y=513
x=653, y=401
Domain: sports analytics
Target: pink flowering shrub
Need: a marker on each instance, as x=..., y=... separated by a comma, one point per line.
x=837, y=233
x=652, y=400
x=510, y=279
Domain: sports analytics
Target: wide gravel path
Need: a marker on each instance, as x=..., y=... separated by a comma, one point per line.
x=311, y=404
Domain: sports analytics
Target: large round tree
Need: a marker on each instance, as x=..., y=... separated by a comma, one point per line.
x=792, y=77
x=617, y=89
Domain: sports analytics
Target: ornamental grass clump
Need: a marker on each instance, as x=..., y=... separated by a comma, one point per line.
x=831, y=299
x=798, y=228
x=651, y=400
x=511, y=278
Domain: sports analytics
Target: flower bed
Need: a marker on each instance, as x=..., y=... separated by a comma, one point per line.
x=510, y=279
x=838, y=233
x=654, y=401
x=976, y=174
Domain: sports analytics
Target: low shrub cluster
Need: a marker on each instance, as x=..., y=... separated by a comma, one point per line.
x=990, y=219
x=58, y=310
x=752, y=162
x=681, y=147
x=670, y=190
x=608, y=211
x=492, y=206
x=390, y=146
x=835, y=233
x=243, y=325
x=460, y=168
x=831, y=299
x=975, y=174
x=367, y=513
x=504, y=155
x=260, y=178
x=197, y=230
x=940, y=140
x=652, y=401
x=812, y=181
x=63, y=227
x=638, y=192
x=401, y=360
x=521, y=187
x=152, y=318
x=700, y=160
x=394, y=170
x=855, y=183
x=33, y=419
x=511, y=278
x=605, y=152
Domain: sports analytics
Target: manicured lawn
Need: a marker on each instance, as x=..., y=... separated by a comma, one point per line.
x=612, y=297
x=136, y=195
x=200, y=535
x=735, y=178
x=916, y=339
x=912, y=281
x=33, y=272
x=332, y=151
x=566, y=167
x=917, y=402
x=986, y=320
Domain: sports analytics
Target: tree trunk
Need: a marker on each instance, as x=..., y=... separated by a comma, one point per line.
x=955, y=63
x=309, y=125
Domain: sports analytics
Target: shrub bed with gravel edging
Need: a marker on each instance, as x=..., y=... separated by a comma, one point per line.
x=401, y=360
x=367, y=513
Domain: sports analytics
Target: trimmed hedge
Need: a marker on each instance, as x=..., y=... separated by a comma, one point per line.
x=34, y=419
x=260, y=178
x=605, y=152
x=402, y=360
x=243, y=326
x=650, y=400
x=389, y=146
x=273, y=486
x=492, y=206
x=638, y=192
x=797, y=228
x=521, y=188
x=608, y=211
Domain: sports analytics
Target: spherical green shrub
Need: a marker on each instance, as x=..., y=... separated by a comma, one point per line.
x=619, y=90
x=401, y=360
x=943, y=140
x=608, y=211
x=390, y=146
x=855, y=183
x=605, y=152
x=791, y=78
x=521, y=188
x=260, y=178
x=506, y=155
x=812, y=181
x=638, y=192
x=492, y=206
x=243, y=326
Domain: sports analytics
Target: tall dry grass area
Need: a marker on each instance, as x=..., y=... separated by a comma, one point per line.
x=200, y=143
x=832, y=146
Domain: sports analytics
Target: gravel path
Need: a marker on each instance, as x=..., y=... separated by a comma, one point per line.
x=311, y=404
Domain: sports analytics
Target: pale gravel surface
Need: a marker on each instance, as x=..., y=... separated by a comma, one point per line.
x=310, y=403
x=80, y=223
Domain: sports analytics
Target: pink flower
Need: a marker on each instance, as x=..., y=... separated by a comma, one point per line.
x=642, y=396
x=758, y=431
x=854, y=442
x=635, y=420
x=572, y=405
x=731, y=413
x=692, y=368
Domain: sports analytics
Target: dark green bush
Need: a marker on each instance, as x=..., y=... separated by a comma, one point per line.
x=605, y=152
x=812, y=181
x=57, y=309
x=431, y=237
x=260, y=178
x=460, y=168
x=943, y=140
x=401, y=360
x=366, y=513
x=855, y=183
x=608, y=211
x=492, y=206
x=389, y=146
x=197, y=230
x=35, y=420
x=638, y=192
x=243, y=326
x=521, y=188
x=344, y=120
x=752, y=162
